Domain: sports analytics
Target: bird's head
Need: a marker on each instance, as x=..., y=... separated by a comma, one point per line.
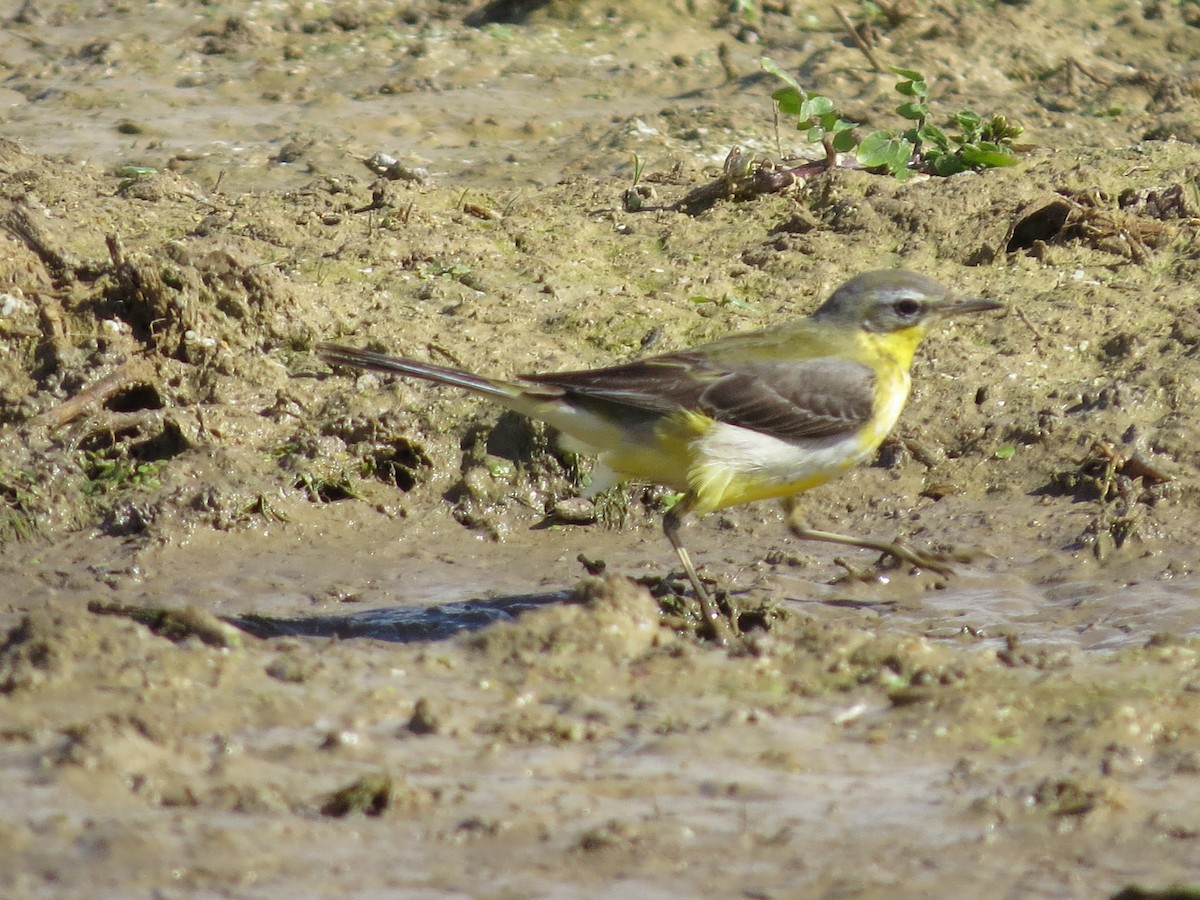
x=894, y=300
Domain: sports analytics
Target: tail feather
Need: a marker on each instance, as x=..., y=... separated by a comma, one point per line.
x=591, y=427
x=338, y=355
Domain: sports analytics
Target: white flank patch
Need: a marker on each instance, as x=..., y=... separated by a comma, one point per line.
x=763, y=458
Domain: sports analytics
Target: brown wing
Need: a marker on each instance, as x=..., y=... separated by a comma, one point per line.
x=794, y=400
x=791, y=400
x=660, y=384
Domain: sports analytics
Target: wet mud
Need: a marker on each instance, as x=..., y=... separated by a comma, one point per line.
x=277, y=630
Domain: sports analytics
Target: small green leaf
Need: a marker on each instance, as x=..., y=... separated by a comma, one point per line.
x=843, y=141
x=789, y=99
x=915, y=111
x=885, y=150
x=816, y=105
x=945, y=164
x=834, y=123
x=967, y=121
x=914, y=85
x=1008, y=451
x=815, y=134
x=980, y=157
x=913, y=88
x=931, y=134
x=771, y=67
x=873, y=149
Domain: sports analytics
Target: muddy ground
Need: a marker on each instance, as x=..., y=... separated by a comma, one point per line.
x=431, y=692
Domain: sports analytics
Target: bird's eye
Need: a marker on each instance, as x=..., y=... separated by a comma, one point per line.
x=907, y=308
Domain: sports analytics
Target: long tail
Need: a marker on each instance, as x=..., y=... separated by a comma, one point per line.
x=590, y=431
x=338, y=355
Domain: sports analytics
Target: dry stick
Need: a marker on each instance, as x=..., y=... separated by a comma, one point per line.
x=858, y=41
x=95, y=393
x=1037, y=335
x=1073, y=63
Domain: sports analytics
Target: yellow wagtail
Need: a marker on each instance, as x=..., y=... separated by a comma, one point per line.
x=749, y=417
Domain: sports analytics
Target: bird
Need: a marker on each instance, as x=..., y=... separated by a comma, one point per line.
x=752, y=416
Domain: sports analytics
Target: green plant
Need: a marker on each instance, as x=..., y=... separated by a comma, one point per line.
x=447, y=271
x=966, y=143
x=110, y=470
x=815, y=114
x=131, y=175
x=322, y=488
x=18, y=506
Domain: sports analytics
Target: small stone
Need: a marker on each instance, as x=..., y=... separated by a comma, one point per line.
x=574, y=511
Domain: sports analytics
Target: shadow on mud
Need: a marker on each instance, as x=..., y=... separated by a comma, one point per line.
x=402, y=625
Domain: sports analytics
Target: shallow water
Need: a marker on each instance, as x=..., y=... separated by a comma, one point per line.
x=380, y=583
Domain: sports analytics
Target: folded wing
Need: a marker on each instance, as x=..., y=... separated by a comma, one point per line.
x=793, y=400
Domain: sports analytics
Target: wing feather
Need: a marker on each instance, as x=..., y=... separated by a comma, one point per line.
x=793, y=400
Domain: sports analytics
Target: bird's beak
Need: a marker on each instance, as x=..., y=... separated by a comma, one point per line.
x=952, y=307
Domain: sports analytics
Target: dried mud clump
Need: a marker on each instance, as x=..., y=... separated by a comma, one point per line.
x=52, y=646
x=125, y=355
x=32, y=653
x=613, y=619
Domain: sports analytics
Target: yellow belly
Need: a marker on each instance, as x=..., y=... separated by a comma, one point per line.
x=723, y=465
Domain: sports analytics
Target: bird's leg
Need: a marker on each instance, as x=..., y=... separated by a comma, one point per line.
x=673, y=521
x=894, y=549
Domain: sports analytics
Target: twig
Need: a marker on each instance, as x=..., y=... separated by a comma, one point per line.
x=858, y=41
x=1084, y=70
x=1037, y=335
x=96, y=393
